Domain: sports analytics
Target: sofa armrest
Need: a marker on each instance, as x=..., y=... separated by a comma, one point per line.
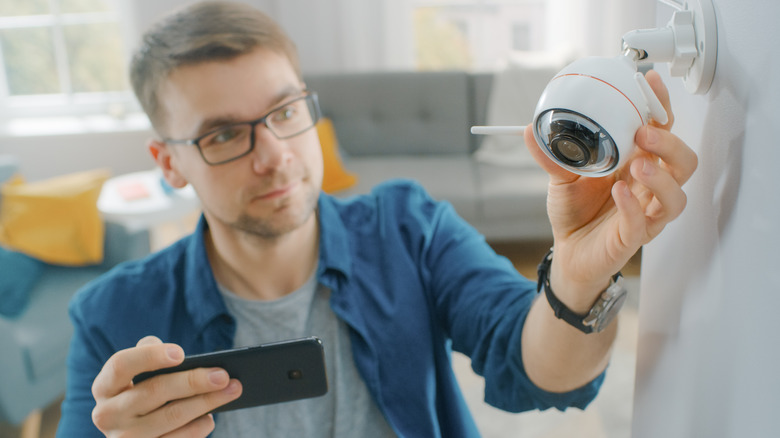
x=122, y=244
x=9, y=165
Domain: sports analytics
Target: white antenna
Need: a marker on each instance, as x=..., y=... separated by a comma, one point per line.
x=497, y=130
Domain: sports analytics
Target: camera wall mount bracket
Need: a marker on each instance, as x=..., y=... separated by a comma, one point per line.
x=689, y=43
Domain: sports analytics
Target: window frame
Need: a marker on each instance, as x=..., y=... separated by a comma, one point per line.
x=67, y=102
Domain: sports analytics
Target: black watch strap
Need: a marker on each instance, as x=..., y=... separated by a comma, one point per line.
x=560, y=309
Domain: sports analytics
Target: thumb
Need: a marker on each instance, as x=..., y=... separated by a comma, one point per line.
x=148, y=340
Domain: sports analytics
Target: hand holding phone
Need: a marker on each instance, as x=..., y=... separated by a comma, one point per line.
x=179, y=404
x=269, y=373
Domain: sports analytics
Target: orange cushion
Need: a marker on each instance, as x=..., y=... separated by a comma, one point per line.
x=56, y=220
x=335, y=177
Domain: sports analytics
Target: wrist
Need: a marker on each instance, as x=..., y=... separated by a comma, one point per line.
x=578, y=296
x=584, y=312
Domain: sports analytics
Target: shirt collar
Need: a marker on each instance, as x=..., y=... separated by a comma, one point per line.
x=204, y=302
x=335, y=254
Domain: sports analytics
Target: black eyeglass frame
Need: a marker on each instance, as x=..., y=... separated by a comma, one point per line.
x=314, y=109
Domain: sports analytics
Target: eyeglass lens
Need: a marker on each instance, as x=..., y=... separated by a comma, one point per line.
x=235, y=140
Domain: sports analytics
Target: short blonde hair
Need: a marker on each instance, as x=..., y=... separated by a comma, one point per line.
x=207, y=31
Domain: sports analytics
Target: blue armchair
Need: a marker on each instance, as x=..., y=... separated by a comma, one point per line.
x=34, y=344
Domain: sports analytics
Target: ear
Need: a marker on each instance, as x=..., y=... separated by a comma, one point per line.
x=163, y=156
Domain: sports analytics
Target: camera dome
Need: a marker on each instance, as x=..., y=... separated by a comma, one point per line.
x=588, y=114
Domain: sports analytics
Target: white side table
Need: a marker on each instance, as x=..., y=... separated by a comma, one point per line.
x=140, y=201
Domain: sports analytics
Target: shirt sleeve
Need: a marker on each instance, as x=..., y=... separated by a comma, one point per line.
x=482, y=302
x=84, y=363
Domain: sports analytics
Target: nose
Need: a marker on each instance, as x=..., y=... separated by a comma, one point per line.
x=269, y=151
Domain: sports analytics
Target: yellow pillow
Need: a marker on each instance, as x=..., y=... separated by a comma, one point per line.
x=335, y=177
x=56, y=220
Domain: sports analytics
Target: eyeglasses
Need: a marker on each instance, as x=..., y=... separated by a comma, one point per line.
x=231, y=142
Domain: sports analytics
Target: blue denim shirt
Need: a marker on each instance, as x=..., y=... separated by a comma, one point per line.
x=412, y=280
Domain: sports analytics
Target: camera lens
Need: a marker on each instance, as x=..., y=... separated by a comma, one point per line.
x=576, y=142
x=572, y=143
x=570, y=150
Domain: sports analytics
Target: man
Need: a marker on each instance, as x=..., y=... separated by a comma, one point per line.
x=391, y=281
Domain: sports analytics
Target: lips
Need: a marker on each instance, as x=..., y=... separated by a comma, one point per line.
x=276, y=192
x=277, y=186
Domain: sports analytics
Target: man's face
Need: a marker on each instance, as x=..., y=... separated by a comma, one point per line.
x=272, y=190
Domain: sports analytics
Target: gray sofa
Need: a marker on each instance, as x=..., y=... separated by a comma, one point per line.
x=416, y=125
x=35, y=343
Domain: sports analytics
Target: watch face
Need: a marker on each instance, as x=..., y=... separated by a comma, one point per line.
x=611, y=309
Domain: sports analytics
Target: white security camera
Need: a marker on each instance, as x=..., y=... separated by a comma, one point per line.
x=588, y=114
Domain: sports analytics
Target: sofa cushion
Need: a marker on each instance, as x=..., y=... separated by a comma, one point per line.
x=18, y=275
x=335, y=176
x=515, y=196
x=397, y=113
x=56, y=220
x=446, y=178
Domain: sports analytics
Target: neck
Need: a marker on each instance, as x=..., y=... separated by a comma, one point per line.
x=262, y=268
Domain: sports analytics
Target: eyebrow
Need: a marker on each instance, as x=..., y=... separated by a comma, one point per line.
x=212, y=123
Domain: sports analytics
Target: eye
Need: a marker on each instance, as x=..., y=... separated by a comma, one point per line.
x=284, y=114
x=224, y=136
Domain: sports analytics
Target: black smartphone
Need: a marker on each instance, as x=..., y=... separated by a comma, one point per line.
x=269, y=373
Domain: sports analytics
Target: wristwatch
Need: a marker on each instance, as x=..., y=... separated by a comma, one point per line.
x=600, y=314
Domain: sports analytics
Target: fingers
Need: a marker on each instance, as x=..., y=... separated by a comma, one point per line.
x=658, y=86
x=201, y=426
x=632, y=222
x=680, y=160
x=182, y=413
x=119, y=370
x=179, y=416
x=156, y=391
x=160, y=404
x=642, y=217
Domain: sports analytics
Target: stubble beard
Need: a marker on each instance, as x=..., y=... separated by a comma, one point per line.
x=274, y=228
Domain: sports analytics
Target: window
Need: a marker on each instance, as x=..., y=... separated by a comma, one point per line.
x=475, y=34
x=66, y=54
x=521, y=37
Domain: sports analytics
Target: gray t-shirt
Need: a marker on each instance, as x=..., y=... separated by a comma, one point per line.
x=347, y=410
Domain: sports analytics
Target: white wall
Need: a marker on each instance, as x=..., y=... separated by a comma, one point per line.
x=709, y=341
x=44, y=156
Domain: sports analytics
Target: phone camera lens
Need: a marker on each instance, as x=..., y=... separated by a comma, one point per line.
x=295, y=374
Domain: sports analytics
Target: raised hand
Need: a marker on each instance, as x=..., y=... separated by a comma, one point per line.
x=599, y=223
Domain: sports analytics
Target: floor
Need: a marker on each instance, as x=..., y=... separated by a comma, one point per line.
x=609, y=416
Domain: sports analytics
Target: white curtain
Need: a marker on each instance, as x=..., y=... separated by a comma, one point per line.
x=331, y=35
x=350, y=35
